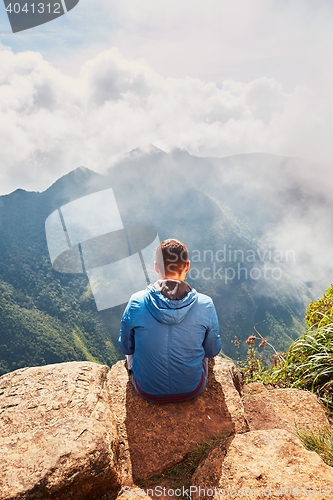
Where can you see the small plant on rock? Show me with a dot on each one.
(255, 368)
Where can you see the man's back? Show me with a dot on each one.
(170, 328)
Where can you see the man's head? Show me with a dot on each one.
(171, 260)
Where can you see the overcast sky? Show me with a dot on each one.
(215, 77)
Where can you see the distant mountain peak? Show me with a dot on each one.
(78, 174)
(150, 149)
(82, 172)
(82, 169)
(75, 184)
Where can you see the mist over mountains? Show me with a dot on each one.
(257, 227)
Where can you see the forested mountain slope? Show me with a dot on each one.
(228, 211)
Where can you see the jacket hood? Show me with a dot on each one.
(169, 301)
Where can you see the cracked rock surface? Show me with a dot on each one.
(154, 437)
(57, 434)
(79, 431)
(269, 408)
(263, 464)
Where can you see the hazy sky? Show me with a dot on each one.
(216, 78)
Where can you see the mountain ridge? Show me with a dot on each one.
(209, 204)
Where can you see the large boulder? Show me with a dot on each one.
(79, 431)
(289, 409)
(263, 464)
(154, 437)
(57, 435)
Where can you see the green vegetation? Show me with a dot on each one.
(320, 312)
(79, 343)
(321, 442)
(307, 364)
(258, 366)
(40, 308)
(45, 316)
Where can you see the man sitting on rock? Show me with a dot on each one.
(168, 331)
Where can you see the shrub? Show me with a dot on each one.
(309, 363)
(320, 312)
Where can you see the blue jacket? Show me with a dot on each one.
(169, 337)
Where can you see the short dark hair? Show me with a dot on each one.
(171, 257)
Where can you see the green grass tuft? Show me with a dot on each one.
(321, 442)
(309, 364)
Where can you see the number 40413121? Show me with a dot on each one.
(40, 8)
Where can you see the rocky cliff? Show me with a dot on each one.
(78, 431)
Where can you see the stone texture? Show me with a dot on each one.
(155, 437)
(263, 463)
(269, 408)
(57, 434)
(79, 431)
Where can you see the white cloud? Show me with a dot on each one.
(213, 40)
(51, 123)
(216, 40)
